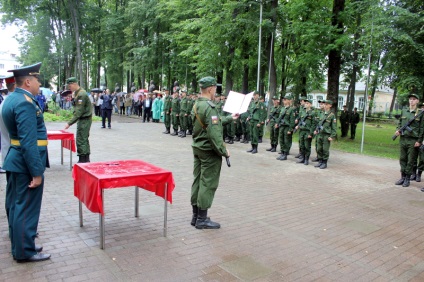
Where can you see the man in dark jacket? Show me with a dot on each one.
(147, 107)
(106, 108)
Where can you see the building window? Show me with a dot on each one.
(341, 102)
(310, 97)
(1, 66)
(16, 67)
(361, 104)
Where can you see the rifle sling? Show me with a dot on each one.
(198, 119)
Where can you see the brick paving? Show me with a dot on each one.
(281, 221)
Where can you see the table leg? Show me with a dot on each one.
(102, 225)
(80, 214)
(136, 201)
(61, 152)
(70, 156)
(165, 216)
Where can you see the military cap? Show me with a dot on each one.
(256, 92)
(275, 98)
(208, 81)
(308, 100)
(10, 79)
(288, 97)
(413, 95)
(328, 102)
(32, 70)
(71, 80)
(184, 90)
(321, 101)
(303, 98)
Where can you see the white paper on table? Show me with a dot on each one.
(237, 103)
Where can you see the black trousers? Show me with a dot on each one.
(146, 114)
(106, 113)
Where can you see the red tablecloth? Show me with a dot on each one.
(67, 138)
(90, 178)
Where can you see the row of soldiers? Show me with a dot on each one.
(283, 120)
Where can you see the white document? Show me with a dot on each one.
(237, 103)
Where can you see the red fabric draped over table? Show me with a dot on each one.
(90, 178)
(68, 139)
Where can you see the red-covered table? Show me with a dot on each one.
(67, 140)
(91, 179)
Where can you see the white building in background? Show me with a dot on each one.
(8, 61)
(382, 99)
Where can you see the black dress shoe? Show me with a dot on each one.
(35, 258)
(38, 248)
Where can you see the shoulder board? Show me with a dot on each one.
(211, 104)
(28, 98)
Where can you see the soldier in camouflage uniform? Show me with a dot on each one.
(306, 127)
(326, 131)
(410, 141)
(299, 112)
(256, 120)
(167, 111)
(82, 115)
(285, 123)
(262, 128)
(184, 113)
(175, 112)
(190, 104)
(273, 115)
(208, 150)
(318, 112)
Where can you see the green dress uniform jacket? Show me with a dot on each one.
(328, 128)
(273, 116)
(307, 125)
(257, 115)
(286, 124)
(82, 115)
(208, 149)
(183, 112)
(27, 158)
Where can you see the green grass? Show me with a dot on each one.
(57, 114)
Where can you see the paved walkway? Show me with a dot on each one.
(281, 221)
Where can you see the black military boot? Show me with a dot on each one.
(274, 148)
(204, 222)
(190, 132)
(301, 159)
(237, 139)
(260, 139)
(318, 164)
(269, 149)
(418, 177)
(251, 150)
(255, 149)
(231, 141)
(413, 175)
(175, 133)
(282, 157)
(298, 155)
(183, 134)
(87, 158)
(80, 158)
(194, 217)
(167, 131)
(315, 159)
(306, 161)
(406, 181)
(401, 180)
(323, 165)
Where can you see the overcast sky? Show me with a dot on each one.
(8, 43)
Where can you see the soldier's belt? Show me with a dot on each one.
(40, 143)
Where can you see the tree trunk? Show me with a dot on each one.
(373, 87)
(73, 6)
(334, 57)
(245, 82)
(392, 104)
(355, 69)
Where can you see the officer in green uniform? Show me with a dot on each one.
(409, 140)
(273, 115)
(285, 123)
(306, 127)
(167, 111)
(175, 112)
(208, 150)
(255, 119)
(230, 127)
(262, 128)
(82, 115)
(183, 113)
(25, 163)
(325, 131)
